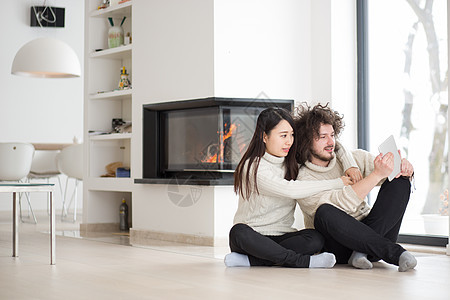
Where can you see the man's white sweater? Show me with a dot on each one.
(271, 212)
(345, 198)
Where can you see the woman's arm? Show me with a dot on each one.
(349, 163)
(272, 185)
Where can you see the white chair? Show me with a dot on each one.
(70, 163)
(15, 164)
(44, 167)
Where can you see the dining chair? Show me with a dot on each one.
(15, 164)
(70, 163)
(44, 167)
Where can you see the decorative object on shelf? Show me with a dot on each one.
(124, 82)
(116, 123)
(115, 34)
(121, 126)
(111, 169)
(104, 4)
(127, 39)
(46, 58)
(123, 172)
(114, 2)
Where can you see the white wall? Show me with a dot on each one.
(173, 59)
(261, 48)
(333, 55)
(32, 109)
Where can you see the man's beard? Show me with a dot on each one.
(323, 157)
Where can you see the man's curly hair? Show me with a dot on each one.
(307, 125)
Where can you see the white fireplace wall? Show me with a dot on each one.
(262, 49)
(173, 59)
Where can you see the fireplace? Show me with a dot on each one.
(199, 141)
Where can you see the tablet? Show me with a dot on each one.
(389, 146)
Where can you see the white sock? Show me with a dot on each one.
(406, 262)
(359, 260)
(235, 259)
(322, 260)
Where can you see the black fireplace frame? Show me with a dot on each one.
(151, 160)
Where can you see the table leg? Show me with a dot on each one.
(52, 231)
(15, 226)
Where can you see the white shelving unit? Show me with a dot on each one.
(103, 103)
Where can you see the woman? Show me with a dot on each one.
(265, 181)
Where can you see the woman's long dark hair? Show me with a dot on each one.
(267, 120)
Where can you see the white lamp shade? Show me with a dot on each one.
(46, 58)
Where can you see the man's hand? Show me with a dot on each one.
(384, 165)
(406, 168)
(346, 180)
(354, 173)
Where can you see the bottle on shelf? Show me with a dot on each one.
(123, 213)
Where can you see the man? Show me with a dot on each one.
(354, 232)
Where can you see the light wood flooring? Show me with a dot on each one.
(104, 266)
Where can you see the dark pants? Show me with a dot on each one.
(288, 250)
(376, 235)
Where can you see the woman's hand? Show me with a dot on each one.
(346, 180)
(354, 173)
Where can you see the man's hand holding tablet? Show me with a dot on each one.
(389, 146)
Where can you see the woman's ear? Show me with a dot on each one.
(264, 137)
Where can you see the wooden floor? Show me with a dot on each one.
(104, 266)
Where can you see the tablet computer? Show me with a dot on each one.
(389, 146)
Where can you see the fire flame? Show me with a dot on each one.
(211, 159)
(218, 157)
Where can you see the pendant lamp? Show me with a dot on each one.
(46, 58)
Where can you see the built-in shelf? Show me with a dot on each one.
(112, 136)
(117, 94)
(112, 184)
(103, 102)
(120, 10)
(121, 52)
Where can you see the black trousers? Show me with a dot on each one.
(288, 250)
(376, 235)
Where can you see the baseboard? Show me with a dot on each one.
(145, 237)
(99, 227)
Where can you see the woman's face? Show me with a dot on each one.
(280, 139)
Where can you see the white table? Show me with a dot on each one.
(15, 188)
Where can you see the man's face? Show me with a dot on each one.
(323, 146)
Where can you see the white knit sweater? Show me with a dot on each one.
(345, 198)
(271, 212)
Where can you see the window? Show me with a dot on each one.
(403, 90)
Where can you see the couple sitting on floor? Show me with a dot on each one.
(298, 161)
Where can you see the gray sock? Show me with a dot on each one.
(235, 259)
(359, 260)
(322, 260)
(406, 262)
